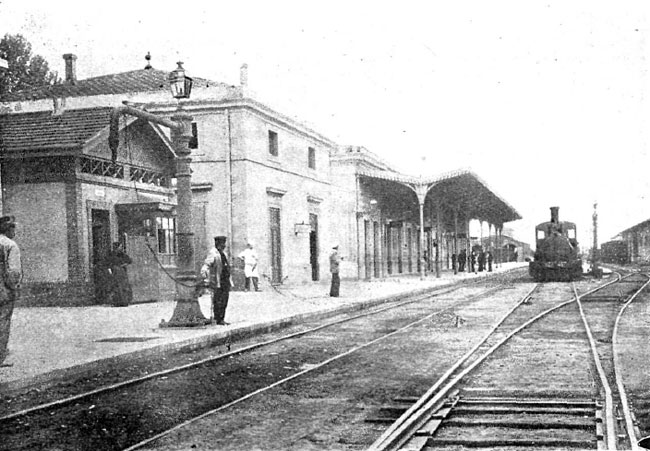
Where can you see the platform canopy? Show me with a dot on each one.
(461, 191)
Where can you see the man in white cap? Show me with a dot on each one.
(251, 272)
(335, 260)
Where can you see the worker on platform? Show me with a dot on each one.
(335, 261)
(462, 260)
(11, 275)
(481, 261)
(472, 261)
(120, 292)
(251, 270)
(216, 270)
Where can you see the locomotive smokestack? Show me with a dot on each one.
(554, 214)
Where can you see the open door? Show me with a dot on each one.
(313, 247)
(101, 239)
(276, 246)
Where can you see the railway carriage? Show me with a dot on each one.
(614, 252)
(556, 255)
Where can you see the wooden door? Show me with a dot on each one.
(101, 240)
(276, 245)
(144, 271)
(313, 247)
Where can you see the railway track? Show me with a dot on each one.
(477, 404)
(81, 411)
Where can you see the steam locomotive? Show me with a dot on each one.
(556, 255)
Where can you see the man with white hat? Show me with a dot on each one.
(251, 272)
(335, 260)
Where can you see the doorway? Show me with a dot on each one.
(366, 248)
(313, 247)
(388, 246)
(409, 248)
(101, 239)
(375, 249)
(276, 245)
(400, 252)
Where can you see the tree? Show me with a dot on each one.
(25, 70)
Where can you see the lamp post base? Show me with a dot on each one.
(187, 313)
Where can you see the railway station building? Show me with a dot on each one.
(257, 176)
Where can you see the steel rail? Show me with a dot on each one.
(418, 412)
(609, 400)
(629, 423)
(137, 380)
(294, 376)
(402, 429)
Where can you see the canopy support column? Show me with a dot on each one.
(438, 236)
(421, 191)
(455, 244)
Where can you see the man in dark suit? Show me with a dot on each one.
(216, 270)
(335, 261)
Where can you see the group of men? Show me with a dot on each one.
(216, 272)
(484, 260)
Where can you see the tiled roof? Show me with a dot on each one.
(142, 80)
(41, 131)
(637, 228)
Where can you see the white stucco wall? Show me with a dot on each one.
(41, 230)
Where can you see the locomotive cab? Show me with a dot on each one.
(556, 254)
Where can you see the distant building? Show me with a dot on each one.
(637, 240)
(615, 251)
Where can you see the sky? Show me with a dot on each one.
(546, 101)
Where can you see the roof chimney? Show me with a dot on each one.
(554, 214)
(243, 75)
(70, 68)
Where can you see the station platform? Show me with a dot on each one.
(50, 343)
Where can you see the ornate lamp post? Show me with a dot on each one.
(595, 270)
(179, 83)
(187, 312)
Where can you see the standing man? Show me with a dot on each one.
(250, 267)
(11, 274)
(121, 293)
(462, 260)
(472, 262)
(335, 260)
(216, 270)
